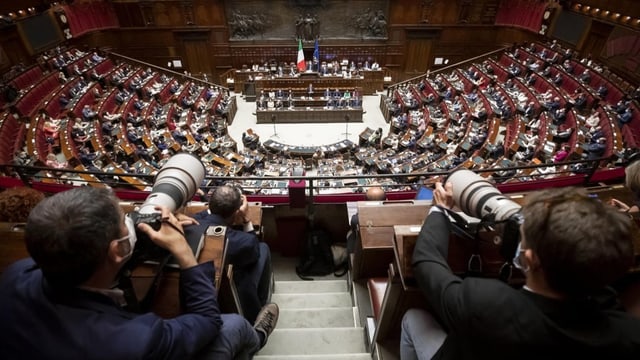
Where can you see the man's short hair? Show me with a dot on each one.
(68, 234)
(225, 200)
(583, 244)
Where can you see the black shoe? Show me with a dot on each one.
(266, 320)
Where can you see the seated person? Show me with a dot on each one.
(132, 135)
(625, 117)
(79, 135)
(558, 79)
(51, 127)
(559, 116)
(526, 154)
(562, 154)
(63, 100)
(317, 156)
(585, 77)
(530, 79)
(593, 120)
(70, 281)
(562, 133)
(88, 113)
(87, 156)
(597, 149)
(251, 258)
(180, 136)
(529, 110)
(553, 104)
(565, 305)
(107, 128)
(568, 66)
(602, 90)
(580, 101)
(52, 161)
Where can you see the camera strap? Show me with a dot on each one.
(470, 231)
(135, 304)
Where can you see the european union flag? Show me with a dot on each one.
(316, 56)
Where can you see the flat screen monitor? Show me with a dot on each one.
(40, 32)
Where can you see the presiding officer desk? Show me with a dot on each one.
(388, 232)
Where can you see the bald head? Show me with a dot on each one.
(376, 194)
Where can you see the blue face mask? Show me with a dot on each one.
(517, 258)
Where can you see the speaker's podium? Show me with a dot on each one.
(249, 91)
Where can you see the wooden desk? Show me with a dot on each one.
(373, 251)
(374, 248)
(307, 151)
(309, 115)
(370, 81)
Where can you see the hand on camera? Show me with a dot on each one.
(242, 214)
(186, 220)
(443, 195)
(170, 236)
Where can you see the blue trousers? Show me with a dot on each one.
(421, 335)
(237, 340)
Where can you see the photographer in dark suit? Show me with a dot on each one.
(79, 240)
(250, 257)
(571, 247)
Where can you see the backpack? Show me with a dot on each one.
(317, 258)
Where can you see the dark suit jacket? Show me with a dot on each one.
(39, 322)
(242, 249)
(487, 319)
(251, 264)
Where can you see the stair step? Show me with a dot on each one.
(359, 356)
(316, 318)
(306, 287)
(320, 300)
(315, 341)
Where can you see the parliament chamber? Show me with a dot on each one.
(528, 94)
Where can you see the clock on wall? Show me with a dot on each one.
(63, 18)
(547, 14)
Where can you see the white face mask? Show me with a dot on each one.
(131, 236)
(517, 258)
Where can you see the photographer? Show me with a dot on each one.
(250, 257)
(571, 247)
(62, 304)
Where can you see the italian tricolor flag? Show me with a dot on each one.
(302, 65)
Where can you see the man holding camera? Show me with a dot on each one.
(571, 247)
(250, 257)
(62, 303)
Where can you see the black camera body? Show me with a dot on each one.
(145, 249)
